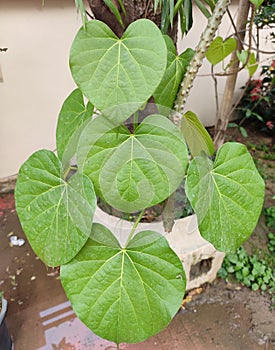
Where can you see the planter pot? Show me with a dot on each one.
(5, 339)
(201, 261)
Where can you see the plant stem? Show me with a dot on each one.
(134, 227)
(66, 171)
(196, 62)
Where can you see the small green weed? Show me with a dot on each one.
(250, 271)
(271, 243)
(269, 156)
(270, 217)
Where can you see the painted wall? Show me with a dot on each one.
(37, 78)
(36, 75)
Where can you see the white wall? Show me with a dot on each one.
(36, 75)
(37, 78)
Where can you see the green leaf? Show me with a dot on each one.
(243, 131)
(252, 64)
(56, 215)
(220, 49)
(242, 56)
(227, 196)
(81, 8)
(118, 75)
(188, 14)
(71, 120)
(156, 3)
(115, 11)
(257, 3)
(255, 286)
(167, 90)
(232, 125)
(125, 294)
(133, 171)
(183, 22)
(211, 4)
(172, 6)
(202, 8)
(196, 136)
(122, 6)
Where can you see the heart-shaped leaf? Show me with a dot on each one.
(227, 196)
(125, 294)
(220, 49)
(167, 90)
(132, 171)
(196, 136)
(118, 75)
(242, 56)
(56, 215)
(250, 64)
(71, 120)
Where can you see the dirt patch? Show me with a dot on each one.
(243, 309)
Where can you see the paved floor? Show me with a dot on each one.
(40, 317)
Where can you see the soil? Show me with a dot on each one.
(222, 315)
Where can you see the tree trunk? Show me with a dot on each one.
(135, 9)
(229, 89)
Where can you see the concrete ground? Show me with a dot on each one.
(220, 316)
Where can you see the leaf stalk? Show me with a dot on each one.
(134, 227)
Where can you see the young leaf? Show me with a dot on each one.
(133, 171)
(220, 49)
(118, 75)
(196, 136)
(227, 196)
(166, 92)
(71, 120)
(242, 56)
(56, 215)
(125, 294)
(252, 64)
